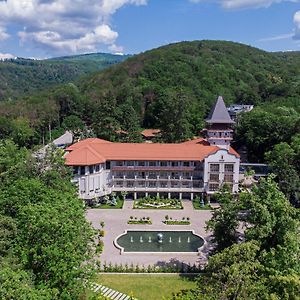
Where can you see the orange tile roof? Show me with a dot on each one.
(197, 141)
(87, 142)
(90, 152)
(150, 132)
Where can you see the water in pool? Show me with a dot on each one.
(160, 241)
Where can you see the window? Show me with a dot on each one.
(214, 177)
(130, 175)
(130, 184)
(130, 163)
(228, 167)
(163, 175)
(91, 169)
(175, 175)
(152, 184)
(82, 170)
(152, 175)
(214, 168)
(108, 165)
(213, 187)
(228, 178)
(119, 183)
(186, 163)
(163, 184)
(75, 170)
(119, 175)
(174, 184)
(140, 174)
(186, 175)
(97, 168)
(141, 163)
(119, 163)
(185, 184)
(175, 163)
(164, 163)
(141, 183)
(152, 163)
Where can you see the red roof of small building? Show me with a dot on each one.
(93, 151)
(150, 132)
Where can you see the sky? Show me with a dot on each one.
(49, 28)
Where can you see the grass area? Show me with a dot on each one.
(148, 287)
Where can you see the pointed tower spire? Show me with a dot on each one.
(219, 113)
(219, 132)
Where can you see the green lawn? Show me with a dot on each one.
(147, 287)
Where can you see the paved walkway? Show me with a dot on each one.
(116, 223)
(109, 293)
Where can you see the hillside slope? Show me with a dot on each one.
(199, 70)
(171, 88)
(24, 76)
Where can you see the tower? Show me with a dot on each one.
(219, 132)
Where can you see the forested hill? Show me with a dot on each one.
(195, 73)
(23, 76)
(172, 88)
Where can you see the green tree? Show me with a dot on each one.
(224, 222)
(282, 161)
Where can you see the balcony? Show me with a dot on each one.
(157, 168)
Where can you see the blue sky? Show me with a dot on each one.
(47, 28)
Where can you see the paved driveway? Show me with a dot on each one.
(116, 223)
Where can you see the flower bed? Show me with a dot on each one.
(143, 220)
(157, 203)
(169, 221)
(177, 222)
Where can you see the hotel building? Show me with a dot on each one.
(182, 170)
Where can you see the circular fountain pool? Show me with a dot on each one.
(159, 241)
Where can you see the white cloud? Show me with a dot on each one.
(63, 26)
(4, 56)
(297, 24)
(242, 4)
(116, 49)
(3, 34)
(277, 37)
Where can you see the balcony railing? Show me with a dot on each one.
(148, 168)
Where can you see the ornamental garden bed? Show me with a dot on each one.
(157, 203)
(201, 205)
(135, 220)
(169, 221)
(109, 202)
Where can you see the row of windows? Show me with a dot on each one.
(82, 169)
(153, 175)
(142, 163)
(216, 168)
(154, 184)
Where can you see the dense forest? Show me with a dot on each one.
(173, 88)
(23, 76)
(46, 244)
